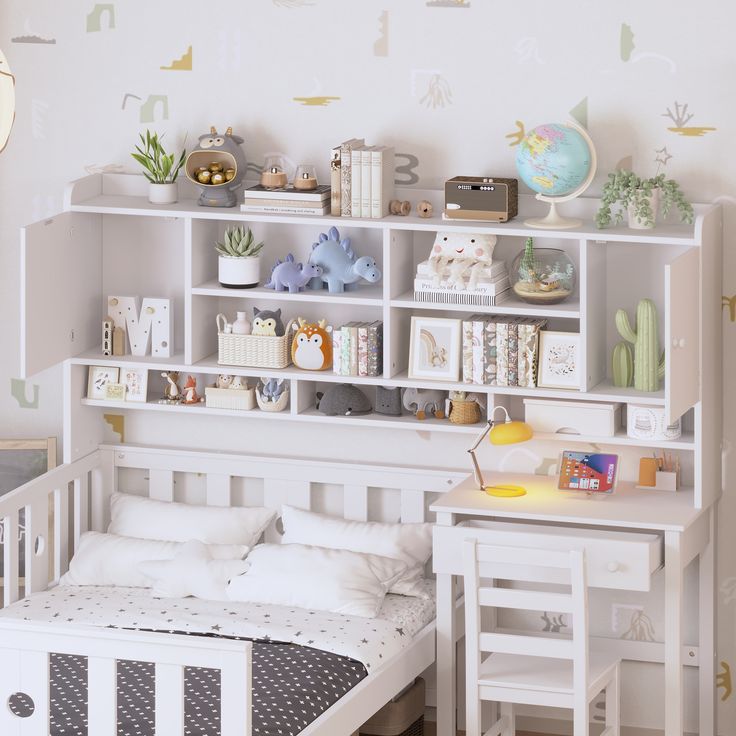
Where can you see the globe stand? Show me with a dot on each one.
(552, 220)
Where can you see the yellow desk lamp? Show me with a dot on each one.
(507, 433)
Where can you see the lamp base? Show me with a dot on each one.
(505, 491)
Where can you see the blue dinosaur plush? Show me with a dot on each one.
(338, 263)
(290, 275)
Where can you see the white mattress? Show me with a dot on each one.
(370, 641)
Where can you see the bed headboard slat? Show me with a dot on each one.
(218, 489)
(161, 484)
(413, 506)
(355, 502)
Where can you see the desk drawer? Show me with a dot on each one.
(619, 560)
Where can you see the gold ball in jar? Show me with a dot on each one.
(215, 166)
(202, 168)
(203, 177)
(217, 178)
(229, 174)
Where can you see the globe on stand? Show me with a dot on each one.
(557, 161)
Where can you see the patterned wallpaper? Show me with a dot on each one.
(453, 84)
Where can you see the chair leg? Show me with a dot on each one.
(613, 703)
(507, 712)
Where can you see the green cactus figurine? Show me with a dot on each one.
(623, 365)
(648, 364)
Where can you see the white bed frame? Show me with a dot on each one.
(73, 498)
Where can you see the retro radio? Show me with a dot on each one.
(481, 198)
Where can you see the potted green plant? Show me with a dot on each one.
(641, 199)
(239, 262)
(161, 168)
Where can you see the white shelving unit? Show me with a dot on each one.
(110, 240)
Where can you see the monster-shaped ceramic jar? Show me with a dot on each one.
(217, 167)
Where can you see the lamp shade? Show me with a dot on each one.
(510, 433)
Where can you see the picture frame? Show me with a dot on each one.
(115, 392)
(136, 384)
(434, 348)
(98, 378)
(559, 360)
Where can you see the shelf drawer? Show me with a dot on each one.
(619, 560)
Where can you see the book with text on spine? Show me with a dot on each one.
(346, 162)
(382, 180)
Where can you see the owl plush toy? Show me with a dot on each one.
(311, 348)
(266, 322)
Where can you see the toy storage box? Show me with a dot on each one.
(230, 398)
(401, 717)
(594, 419)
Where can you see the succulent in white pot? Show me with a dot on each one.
(239, 262)
(161, 168)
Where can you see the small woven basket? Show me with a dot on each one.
(257, 351)
(464, 411)
(279, 405)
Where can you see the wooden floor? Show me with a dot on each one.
(430, 730)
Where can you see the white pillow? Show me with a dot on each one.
(411, 543)
(147, 518)
(107, 559)
(316, 578)
(192, 572)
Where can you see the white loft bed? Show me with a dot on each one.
(74, 498)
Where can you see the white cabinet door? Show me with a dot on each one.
(61, 284)
(682, 334)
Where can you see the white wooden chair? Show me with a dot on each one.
(532, 669)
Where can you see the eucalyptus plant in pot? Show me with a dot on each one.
(641, 199)
(161, 168)
(239, 262)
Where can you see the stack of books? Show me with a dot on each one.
(492, 287)
(357, 349)
(287, 201)
(501, 351)
(362, 179)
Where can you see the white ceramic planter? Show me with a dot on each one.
(162, 193)
(239, 273)
(635, 223)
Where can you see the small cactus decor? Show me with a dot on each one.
(623, 365)
(648, 363)
(238, 243)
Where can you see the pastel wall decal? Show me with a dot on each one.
(518, 135)
(148, 108)
(132, 96)
(626, 42)
(117, 424)
(553, 623)
(625, 164)
(663, 156)
(380, 47)
(105, 169)
(317, 100)
(724, 680)
(18, 392)
(527, 49)
(580, 112)
(728, 586)
(640, 628)
(407, 174)
(39, 108)
(447, 4)
(438, 93)
(182, 64)
(730, 303)
(33, 38)
(681, 117)
(94, 19)
(7, 100)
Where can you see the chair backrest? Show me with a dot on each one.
(484, 565)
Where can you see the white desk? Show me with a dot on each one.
(687, 533)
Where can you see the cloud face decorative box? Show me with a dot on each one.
(645, 422)
(588, 418)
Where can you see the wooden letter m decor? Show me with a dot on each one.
(152, 322)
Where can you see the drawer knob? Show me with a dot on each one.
(613, 566)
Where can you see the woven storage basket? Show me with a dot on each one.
(401, 717)
(257, 351)
(464, 411)
(230, 398)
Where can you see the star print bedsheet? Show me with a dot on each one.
(303, 661)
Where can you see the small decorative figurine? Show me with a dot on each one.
(266, 322)
(217, 167)
(343, 399)
(648, 362)
(272, 394)
(107, 327)
(190, 392)
(239, 383)
(305, 178)
(388, 400)
(457, 256)
(274, 173)
(291, 275)
(338, 263)
(224, 380)
(542, 275)
(399, 207)
(424, 402)
(312, 345)
(172, 392)
(424, 208)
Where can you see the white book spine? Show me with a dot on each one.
(387, 171)
(366, 173)
(278, 210)
(376, 184)
(356, 180)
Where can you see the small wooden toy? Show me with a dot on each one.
(424, 208)
(399, 207)
(190, 395)
(172, 392)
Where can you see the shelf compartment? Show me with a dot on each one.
(513, 306)
(371, 296)
(685, 443)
